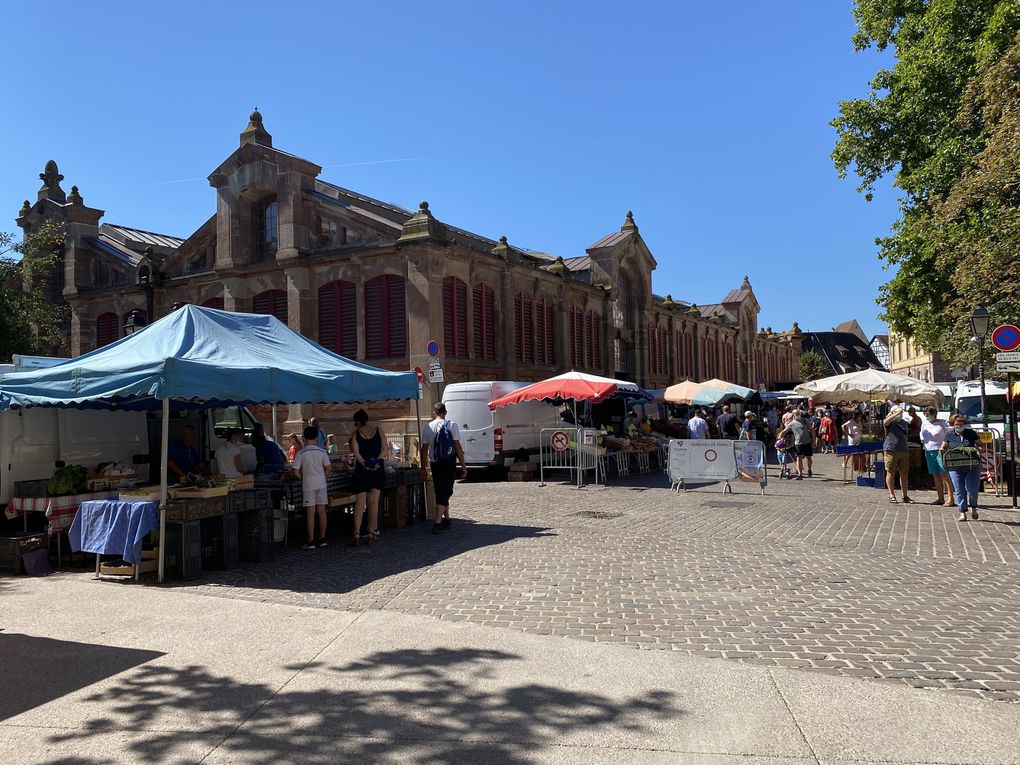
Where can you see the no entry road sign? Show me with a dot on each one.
(1006, 337)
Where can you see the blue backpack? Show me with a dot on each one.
(443, 448)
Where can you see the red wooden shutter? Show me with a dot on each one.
(375, 317)
(540, 330)
(338, 318)
(271, 303)
(485, 322)
(214, 302)
(550, 334)
(107, 329)
(589, 339)
(598, 341)
(462, 330)
(528, 330)
(518, 320)
(449, 319)
(396, 317)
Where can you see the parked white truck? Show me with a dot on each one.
(494, 438)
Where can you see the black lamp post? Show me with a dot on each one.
(979, 323)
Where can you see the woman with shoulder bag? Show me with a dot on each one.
(961, 458)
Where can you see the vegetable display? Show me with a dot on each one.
(70, 479)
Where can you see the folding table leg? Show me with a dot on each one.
(97, 565)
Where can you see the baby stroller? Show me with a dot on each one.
(785, 456)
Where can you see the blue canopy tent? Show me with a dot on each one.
(203, 357)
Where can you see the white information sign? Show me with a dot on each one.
(1007, 366)
(435, 375)
(702, 459)
(435, 362)
(1007, 356)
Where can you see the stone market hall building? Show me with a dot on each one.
(375, 282)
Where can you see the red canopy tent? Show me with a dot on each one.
(572, 386)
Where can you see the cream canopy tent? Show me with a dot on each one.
(871, 384)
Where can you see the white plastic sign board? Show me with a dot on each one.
(1008, 356)
(588, 438)
(435, 375)
(435, 363)
(702, 459)
(1007, 366)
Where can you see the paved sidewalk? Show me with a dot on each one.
(135, 674)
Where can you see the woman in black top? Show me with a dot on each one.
(369, 474)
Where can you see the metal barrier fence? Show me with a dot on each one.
(570, 449)
(992, 450)
(716, 461)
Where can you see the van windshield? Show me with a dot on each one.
(971, 406)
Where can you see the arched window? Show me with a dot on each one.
(338, 318)
(545, 334)
(213, 302)
(271, 303)
(455, 332)
(524, 330)
(485, 322)
(107, 329)
(385, 317)
(264, 229)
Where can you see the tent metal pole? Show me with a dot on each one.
(276, 435)
(165, 441)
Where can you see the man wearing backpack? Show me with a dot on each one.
(440, 448)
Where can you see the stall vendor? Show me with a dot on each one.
(183, 457)
(228, 456)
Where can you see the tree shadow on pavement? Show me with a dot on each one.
(342, 568)
(37, 670)
(410, 705)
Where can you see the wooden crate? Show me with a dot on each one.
(194, 492)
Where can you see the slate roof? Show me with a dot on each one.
(736, 296)
(844, 351)
(142, 237)
(114, 248)
(609, 240)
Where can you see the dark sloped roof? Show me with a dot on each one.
(353, 208)
(609, 240)
(143, 237)
(736, 296)
(844, 351)
(114, 248)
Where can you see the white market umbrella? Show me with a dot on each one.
(868, 385)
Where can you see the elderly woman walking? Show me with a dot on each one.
(959, 452)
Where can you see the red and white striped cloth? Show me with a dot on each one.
(60, 510)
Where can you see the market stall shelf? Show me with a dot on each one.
(113, 527)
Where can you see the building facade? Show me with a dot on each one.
(375, 282)
(906, 358)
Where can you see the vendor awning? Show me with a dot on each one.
(572, 386)
(206, 357)
(871, 384)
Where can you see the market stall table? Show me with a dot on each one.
(865, 450)
(59, 510)
(114, 527)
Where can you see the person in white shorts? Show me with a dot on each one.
(311, 465)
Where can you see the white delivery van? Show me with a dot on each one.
(496, 438)
(968, 401)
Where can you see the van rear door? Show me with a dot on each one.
(468, 406)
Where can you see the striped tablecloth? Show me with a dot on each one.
(59, 510)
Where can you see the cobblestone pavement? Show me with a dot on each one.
(815, 574)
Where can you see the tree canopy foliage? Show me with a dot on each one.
(945, 122)
(813, 366)
(29, 322)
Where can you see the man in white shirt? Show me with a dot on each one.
(228, 456)
(311, 465)
(697, 426)
(440, 448)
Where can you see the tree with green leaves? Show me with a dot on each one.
(813, 366)
(944, 121)
(30, 321)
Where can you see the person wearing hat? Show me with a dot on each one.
(441, 449)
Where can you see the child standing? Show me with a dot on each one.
(311, 465)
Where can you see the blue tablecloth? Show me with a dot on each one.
(113, 527)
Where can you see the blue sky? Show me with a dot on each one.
(544, 121)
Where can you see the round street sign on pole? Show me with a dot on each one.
(419, 374)
(559, 440)
(1006, 337)
(432, 349)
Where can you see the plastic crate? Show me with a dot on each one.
(255, 535)
(247, 499)
(13, 547)
(29, 489)
(195, 509)
(866, 481)
(219, 542)
(879, 474)
(183, 550)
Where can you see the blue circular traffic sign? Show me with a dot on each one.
(1006, 337)
(432, 349)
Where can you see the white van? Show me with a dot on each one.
(968, 401)
(496, 438)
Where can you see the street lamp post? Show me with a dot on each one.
(979, 323)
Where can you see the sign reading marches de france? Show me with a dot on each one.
(702, 459)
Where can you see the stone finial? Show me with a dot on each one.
(629, 224)
(505, 251)
(746, 285)
(51, 179)
(559, 267)
(256, 132)
(26, 208)
(421, 227)
(768, 331)
(694, 310)
(668, 303)
(74, 197)
(795, 330)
